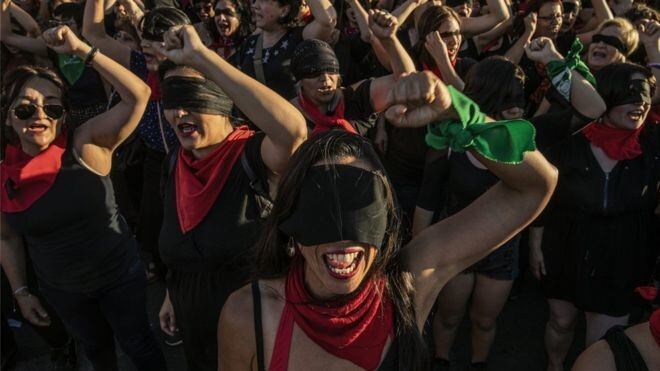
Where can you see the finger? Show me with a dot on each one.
(395, 114)
(36, 319)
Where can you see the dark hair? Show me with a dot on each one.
(159, 20)
(430, 21)
(490, 83)
(533, 6)
(641, 11)
(616, 76)
(125, 24)
(273, 262)
(70, 10)
(291, 17)
(244, 22)
(13, 82)
(341, 6)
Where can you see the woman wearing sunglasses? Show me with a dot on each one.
(57, 197)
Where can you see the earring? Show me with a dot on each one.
(291, 247)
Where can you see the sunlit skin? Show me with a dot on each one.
(628, 116)
(197, 132)
(267, 13)
(126, 39)
(36, 133)
(150, 54)
(600, 54)
(569, 18)
(549, 20)
(226, 18)
(321, 89)
(453, 42)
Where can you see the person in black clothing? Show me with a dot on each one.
(593, 245)
(220, 180)
(56, 193)
(322, 99)
(331, 246)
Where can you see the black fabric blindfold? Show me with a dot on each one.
(339, 203)
(611, 41)
(638, 91)
(196, 95)
(312, 58)
(516, 98)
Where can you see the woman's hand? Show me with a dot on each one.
(383, 25)
(530, 23)
(182, 45)
(436, 46)
(32, 310)
(64, 41)
(649, 34)
(166, 316)
(417, 100)
(537, 263)
(542, 50)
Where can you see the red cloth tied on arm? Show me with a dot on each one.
(355, 329)
(198, 182)
(25, 178)
(618, 144)
(323, 123)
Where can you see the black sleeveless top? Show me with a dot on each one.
(224, 239)
(77, 240)
(390, 362)
(626, 355)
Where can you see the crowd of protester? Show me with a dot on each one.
(329, 184)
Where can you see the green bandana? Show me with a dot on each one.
(560, 71)
(501, 141)
(71, 66)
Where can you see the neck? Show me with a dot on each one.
(33, 149)
(201, 153)
(271, 36)
(606, 121)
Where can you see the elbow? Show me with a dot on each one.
(144, 93)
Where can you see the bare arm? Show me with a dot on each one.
(472, 26)
(325, 19)
(516, 52)
(438, 50)
(283, 124)
(7, 36)
(498, 31)
(25, 20)
(94, 31)
(446, 248)
(362, 19)
(403, 11)
(602, 13)
(237, 353)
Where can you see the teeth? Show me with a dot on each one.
(346, 270)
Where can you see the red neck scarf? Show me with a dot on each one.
(198, 183)
(356, 329)
(618, 144)
(25, 178)
(654, 324)
(323, 123)
(436, 70)
(154, 84)
(224, 45)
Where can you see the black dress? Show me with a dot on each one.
(214, 259)
(599, 227)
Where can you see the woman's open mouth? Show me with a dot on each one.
(37, 128)
(343, 264)
(187, 129)
(635, 115)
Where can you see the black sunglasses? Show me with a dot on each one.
(25, 111)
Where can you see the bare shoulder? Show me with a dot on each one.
(597, 357)
(236, 340)
(643, 338)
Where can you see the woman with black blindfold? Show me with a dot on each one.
(336, 286)
(58, 198)
(220, 181)
(594, 244)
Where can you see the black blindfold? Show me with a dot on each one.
(637, 91)
(611, 41)
(312, 58)
(196, 95)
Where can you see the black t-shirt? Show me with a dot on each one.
(276, 61)
(77, 240)
(87, 91)
(224, 239)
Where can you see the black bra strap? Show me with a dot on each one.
(258, 328)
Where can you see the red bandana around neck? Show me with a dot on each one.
(654, 324)
(356, 329)
(323, 123)
(154, 83)
(25, 178)
(436, 70)
(618, 144)
(198, 182)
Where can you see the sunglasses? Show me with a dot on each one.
(25, 111)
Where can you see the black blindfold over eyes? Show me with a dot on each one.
(637, 91)
(312, 58)
(339, 203)
(196, 95)
(611, 41)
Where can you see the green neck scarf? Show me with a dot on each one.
(560, 71)
(500, 141)
(71, 66)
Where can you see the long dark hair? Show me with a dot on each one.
(273, 262)
(616, 76)
(490, 83)
(244, 15)
(13, 83)
(430, 21)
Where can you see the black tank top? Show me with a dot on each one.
(77, 240)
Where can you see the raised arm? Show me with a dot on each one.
(446, 248)
(473, 26)
(97, 138)
(94, 31)
(325, 19)
(25, 20)
(403, 11)
(362, 19)
(649, 35)
(283, 124)
(28, 44)
(602, 13)
(516, 52)
(583, 96)
(438, 50)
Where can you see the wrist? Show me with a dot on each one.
(551, 58)
(21, 292)
(82, 50)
